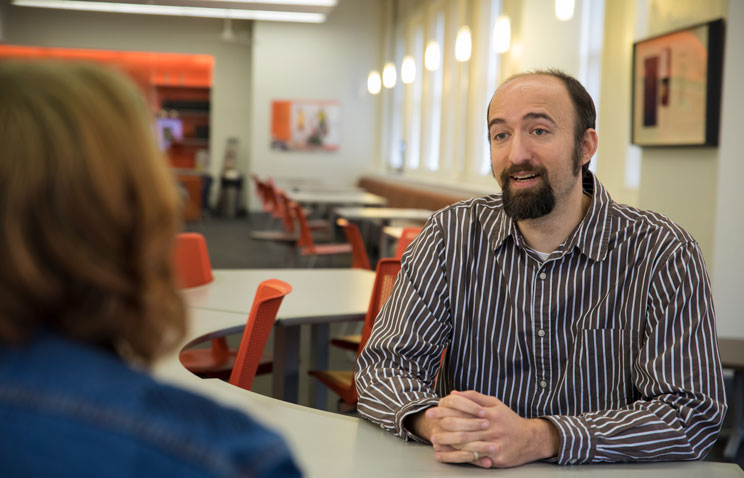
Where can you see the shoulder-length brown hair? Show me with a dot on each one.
(88, 212)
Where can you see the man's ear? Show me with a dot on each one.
(589, 144)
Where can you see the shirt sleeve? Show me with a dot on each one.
(678, 374)
(396, 371)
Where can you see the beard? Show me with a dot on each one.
(529, 204)
(536, 202)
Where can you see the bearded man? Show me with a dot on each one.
(547, 322)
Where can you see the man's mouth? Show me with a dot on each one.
(520, 178)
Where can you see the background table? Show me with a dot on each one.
(319, 297)
(383, 214)
(330, 198)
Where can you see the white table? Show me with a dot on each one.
(383, 214)
(319, 297)
(330, 445)
(323, 198)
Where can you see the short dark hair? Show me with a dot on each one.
(585, 113)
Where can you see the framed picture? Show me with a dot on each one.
(305, 125)
(677, 87)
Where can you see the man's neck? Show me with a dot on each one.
(546, 233)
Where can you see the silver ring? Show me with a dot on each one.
(475, 456)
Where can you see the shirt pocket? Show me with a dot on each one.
(604, 364)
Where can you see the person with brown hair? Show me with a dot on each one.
(88, 215)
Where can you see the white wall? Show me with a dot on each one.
(728, 258)
(230, 114)
(328, 61)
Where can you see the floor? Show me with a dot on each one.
(231, 247)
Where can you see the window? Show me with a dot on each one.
(434, 118)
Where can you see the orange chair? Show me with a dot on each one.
(248, 359)
(359, 258)
(192, 268)
(306, 244)
(342, 381)
(191, 260)
(406, 238)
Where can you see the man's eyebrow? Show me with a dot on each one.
(496, 121)
(531, 115)
(539, 116)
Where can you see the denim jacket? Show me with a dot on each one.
(69, 409)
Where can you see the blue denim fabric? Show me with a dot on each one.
(67, 409)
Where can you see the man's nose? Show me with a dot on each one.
(519, 150)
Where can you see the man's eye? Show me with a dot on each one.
(500, 136)
(540, 132)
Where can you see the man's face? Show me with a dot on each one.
(533, 154)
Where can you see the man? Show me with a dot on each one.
(576, 329)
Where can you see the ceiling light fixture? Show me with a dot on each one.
(432, 56)
(389, 75)
(408, 70)
(564, 9)
(374, 83)
(149, 9)
(502, 34)
(463, 44)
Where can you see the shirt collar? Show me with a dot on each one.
(591, 237)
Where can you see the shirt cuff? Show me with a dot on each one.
(410, 409)
(578, 444)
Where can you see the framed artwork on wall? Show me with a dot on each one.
(305, 125)
(676, 98)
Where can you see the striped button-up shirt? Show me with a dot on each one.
(612, 338)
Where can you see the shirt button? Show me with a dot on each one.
(572, 461)
(541, 333)
(543, 384)
(543, 275)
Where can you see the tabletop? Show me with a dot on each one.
(383, 213)
(325, 197)
(325, 295)
(333, 445)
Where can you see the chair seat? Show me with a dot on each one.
(207, 364)
(339, 381)
(348, 342)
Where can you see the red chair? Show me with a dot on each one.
(342, 381)
(192, 268)
(359, 258)
(190, 260)
(306, 244)
(248, 359)
(406, 238)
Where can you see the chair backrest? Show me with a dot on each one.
(282, 204)
(269, 296)
(190, 260)
(387, 271)
(406, 238)
(272, 199)
(359, 258)
(305, 240)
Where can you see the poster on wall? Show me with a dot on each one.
(305, 125)
(677, 87)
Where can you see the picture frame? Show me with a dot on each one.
(676, 91)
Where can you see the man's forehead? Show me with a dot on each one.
(541, 92)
